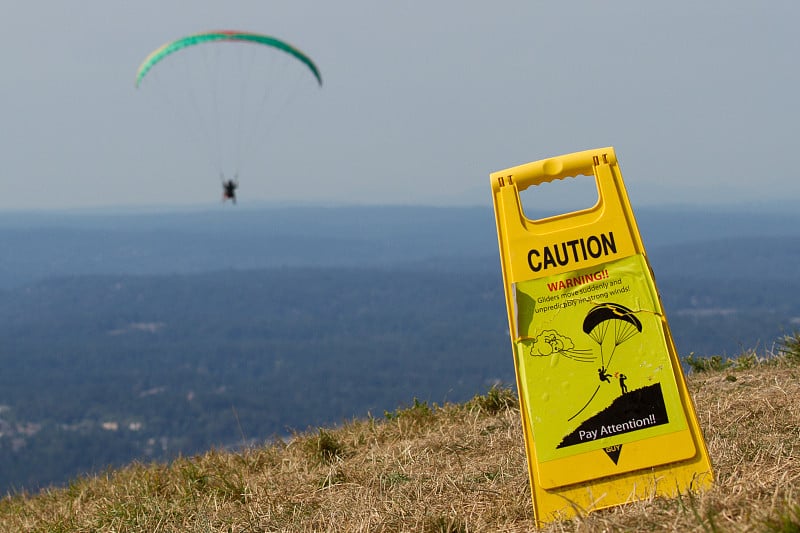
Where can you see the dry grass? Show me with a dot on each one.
(454, 468)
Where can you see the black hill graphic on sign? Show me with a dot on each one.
(635, 410)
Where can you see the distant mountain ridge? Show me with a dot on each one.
(42, 245)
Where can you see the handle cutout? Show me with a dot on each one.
(559, 197)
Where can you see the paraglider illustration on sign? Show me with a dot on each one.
(623, 325)
(598, 352)
(226, 92)
(608, 325)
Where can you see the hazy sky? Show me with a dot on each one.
(420, 102)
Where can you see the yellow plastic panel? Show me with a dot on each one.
(606, 414)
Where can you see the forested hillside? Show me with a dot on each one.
(169, 355)
(180, 363)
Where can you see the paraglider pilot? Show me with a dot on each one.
(229, 188)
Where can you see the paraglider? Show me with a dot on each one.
(229, 189)
(614, 317)
(596, 323)
(609, 325)
(226, 90)
(223, 35)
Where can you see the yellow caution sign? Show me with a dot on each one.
(606, 413)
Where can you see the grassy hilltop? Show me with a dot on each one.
(451, 468)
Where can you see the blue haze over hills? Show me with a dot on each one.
(47, 244)
(701, 258)
(148, 334)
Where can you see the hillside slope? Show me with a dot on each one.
(451, 468)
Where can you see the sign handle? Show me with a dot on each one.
(555, 168)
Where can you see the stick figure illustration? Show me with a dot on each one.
(623, 387)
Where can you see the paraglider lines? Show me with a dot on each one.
(597, 324)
